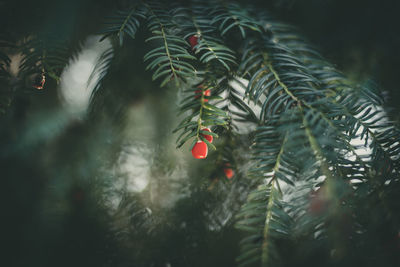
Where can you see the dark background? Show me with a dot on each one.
(361, 37)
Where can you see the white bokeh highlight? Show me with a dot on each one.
(74, 88)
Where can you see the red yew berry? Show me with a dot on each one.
(39, 81)
(209, 138)
(229, 173)
(193, 41)
(200, 150)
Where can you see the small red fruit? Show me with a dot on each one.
(39, 81)
(200, 150)
(193, 41)
(229, 173)
(209, 138)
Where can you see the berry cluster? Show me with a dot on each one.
(193, 41)
(200, 149)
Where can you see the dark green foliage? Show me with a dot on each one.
(101, 69)
(124, 22)
(45, 53)
(210, 47)
(234, 103)
(264, 217)
(202, 113)
(229, 16)
(171, 60)
(5, 90)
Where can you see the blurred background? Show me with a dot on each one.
(110, 189)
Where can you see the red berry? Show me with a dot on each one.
(39, 81)
(229, 173)
(193, 40)
(209, 138)
(200, 150)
